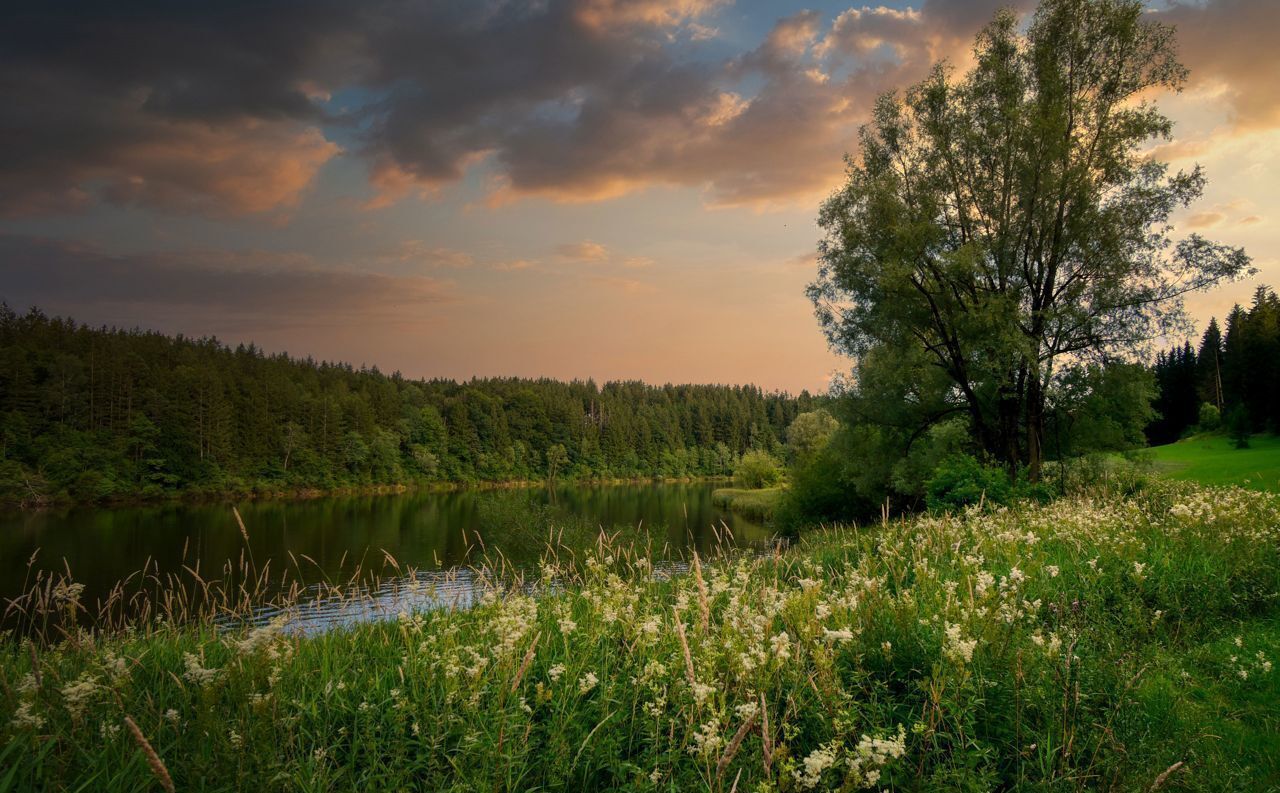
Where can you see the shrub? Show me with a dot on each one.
(757, 469)
(960, 480)
(1210, 417)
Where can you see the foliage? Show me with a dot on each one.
(1210, 417)
(809, 433)
(97, 414)
(757, 469)
(1238, 426)
(962, 480)
(1100, 637)
(1240, 370)
(1005, 227)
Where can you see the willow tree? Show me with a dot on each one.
(1010, 223)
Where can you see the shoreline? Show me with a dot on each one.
(310, 493)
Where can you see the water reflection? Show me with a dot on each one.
(336, 539)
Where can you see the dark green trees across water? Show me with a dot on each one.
(101, 414)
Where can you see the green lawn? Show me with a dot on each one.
(1213, 460)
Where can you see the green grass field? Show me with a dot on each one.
(1213, 460)
(752, 504)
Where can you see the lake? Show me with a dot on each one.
(326, 539)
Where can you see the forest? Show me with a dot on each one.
(102, 414)
(1231, 379)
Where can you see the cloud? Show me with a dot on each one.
(182, 107)
(235, 109)
(424, 254)
(243, 290)
(513, 265)
(1202, 220)
(1229, 46)
(1249, 221)
(585, 251)
(808, 259)
(629, 286)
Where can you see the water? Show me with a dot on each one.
(327, 539)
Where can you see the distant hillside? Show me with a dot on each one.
(100, 414)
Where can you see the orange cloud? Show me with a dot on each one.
(585, 251)
(1202, 220)
(608, 14)
(243, 169)
(1229, 46)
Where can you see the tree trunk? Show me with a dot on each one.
(1035, 427)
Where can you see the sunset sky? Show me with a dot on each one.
(572, 189)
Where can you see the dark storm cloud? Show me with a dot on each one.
(255, 289)
(187, 106)
(222, 108)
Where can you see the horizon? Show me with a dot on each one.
(579, 190)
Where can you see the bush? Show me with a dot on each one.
(757, 469)
(961, 480)
(1210, 417)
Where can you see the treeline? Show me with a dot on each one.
(1232, 378)
(94, 414)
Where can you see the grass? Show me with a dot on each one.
(1098, 642)
(1214, 460)
(758, 504)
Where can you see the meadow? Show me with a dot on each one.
(1214, 460)
(1119, 639)
(755, 503)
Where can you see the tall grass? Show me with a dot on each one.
(1097, 642)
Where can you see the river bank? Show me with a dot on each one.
(303, 493)
(931, 653)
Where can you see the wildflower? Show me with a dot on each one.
(237, 741)
(839, 636)
(818, 761)
(957, 648)
(567, 625)
(1052, 570)
(555, 672)
(196, 671)
(747, 710)
(872, 754)
(172, 716)
(702, 692)
(781, 646)
(78, 693)
(707, 740)
(1239, 641)
(587, 682)
(25, 718)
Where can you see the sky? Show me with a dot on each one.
(607, 189)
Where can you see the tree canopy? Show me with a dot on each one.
(99, 414)
(1004, 229)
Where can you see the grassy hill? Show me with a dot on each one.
(1213, 460)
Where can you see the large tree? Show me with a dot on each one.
(1010, 225)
